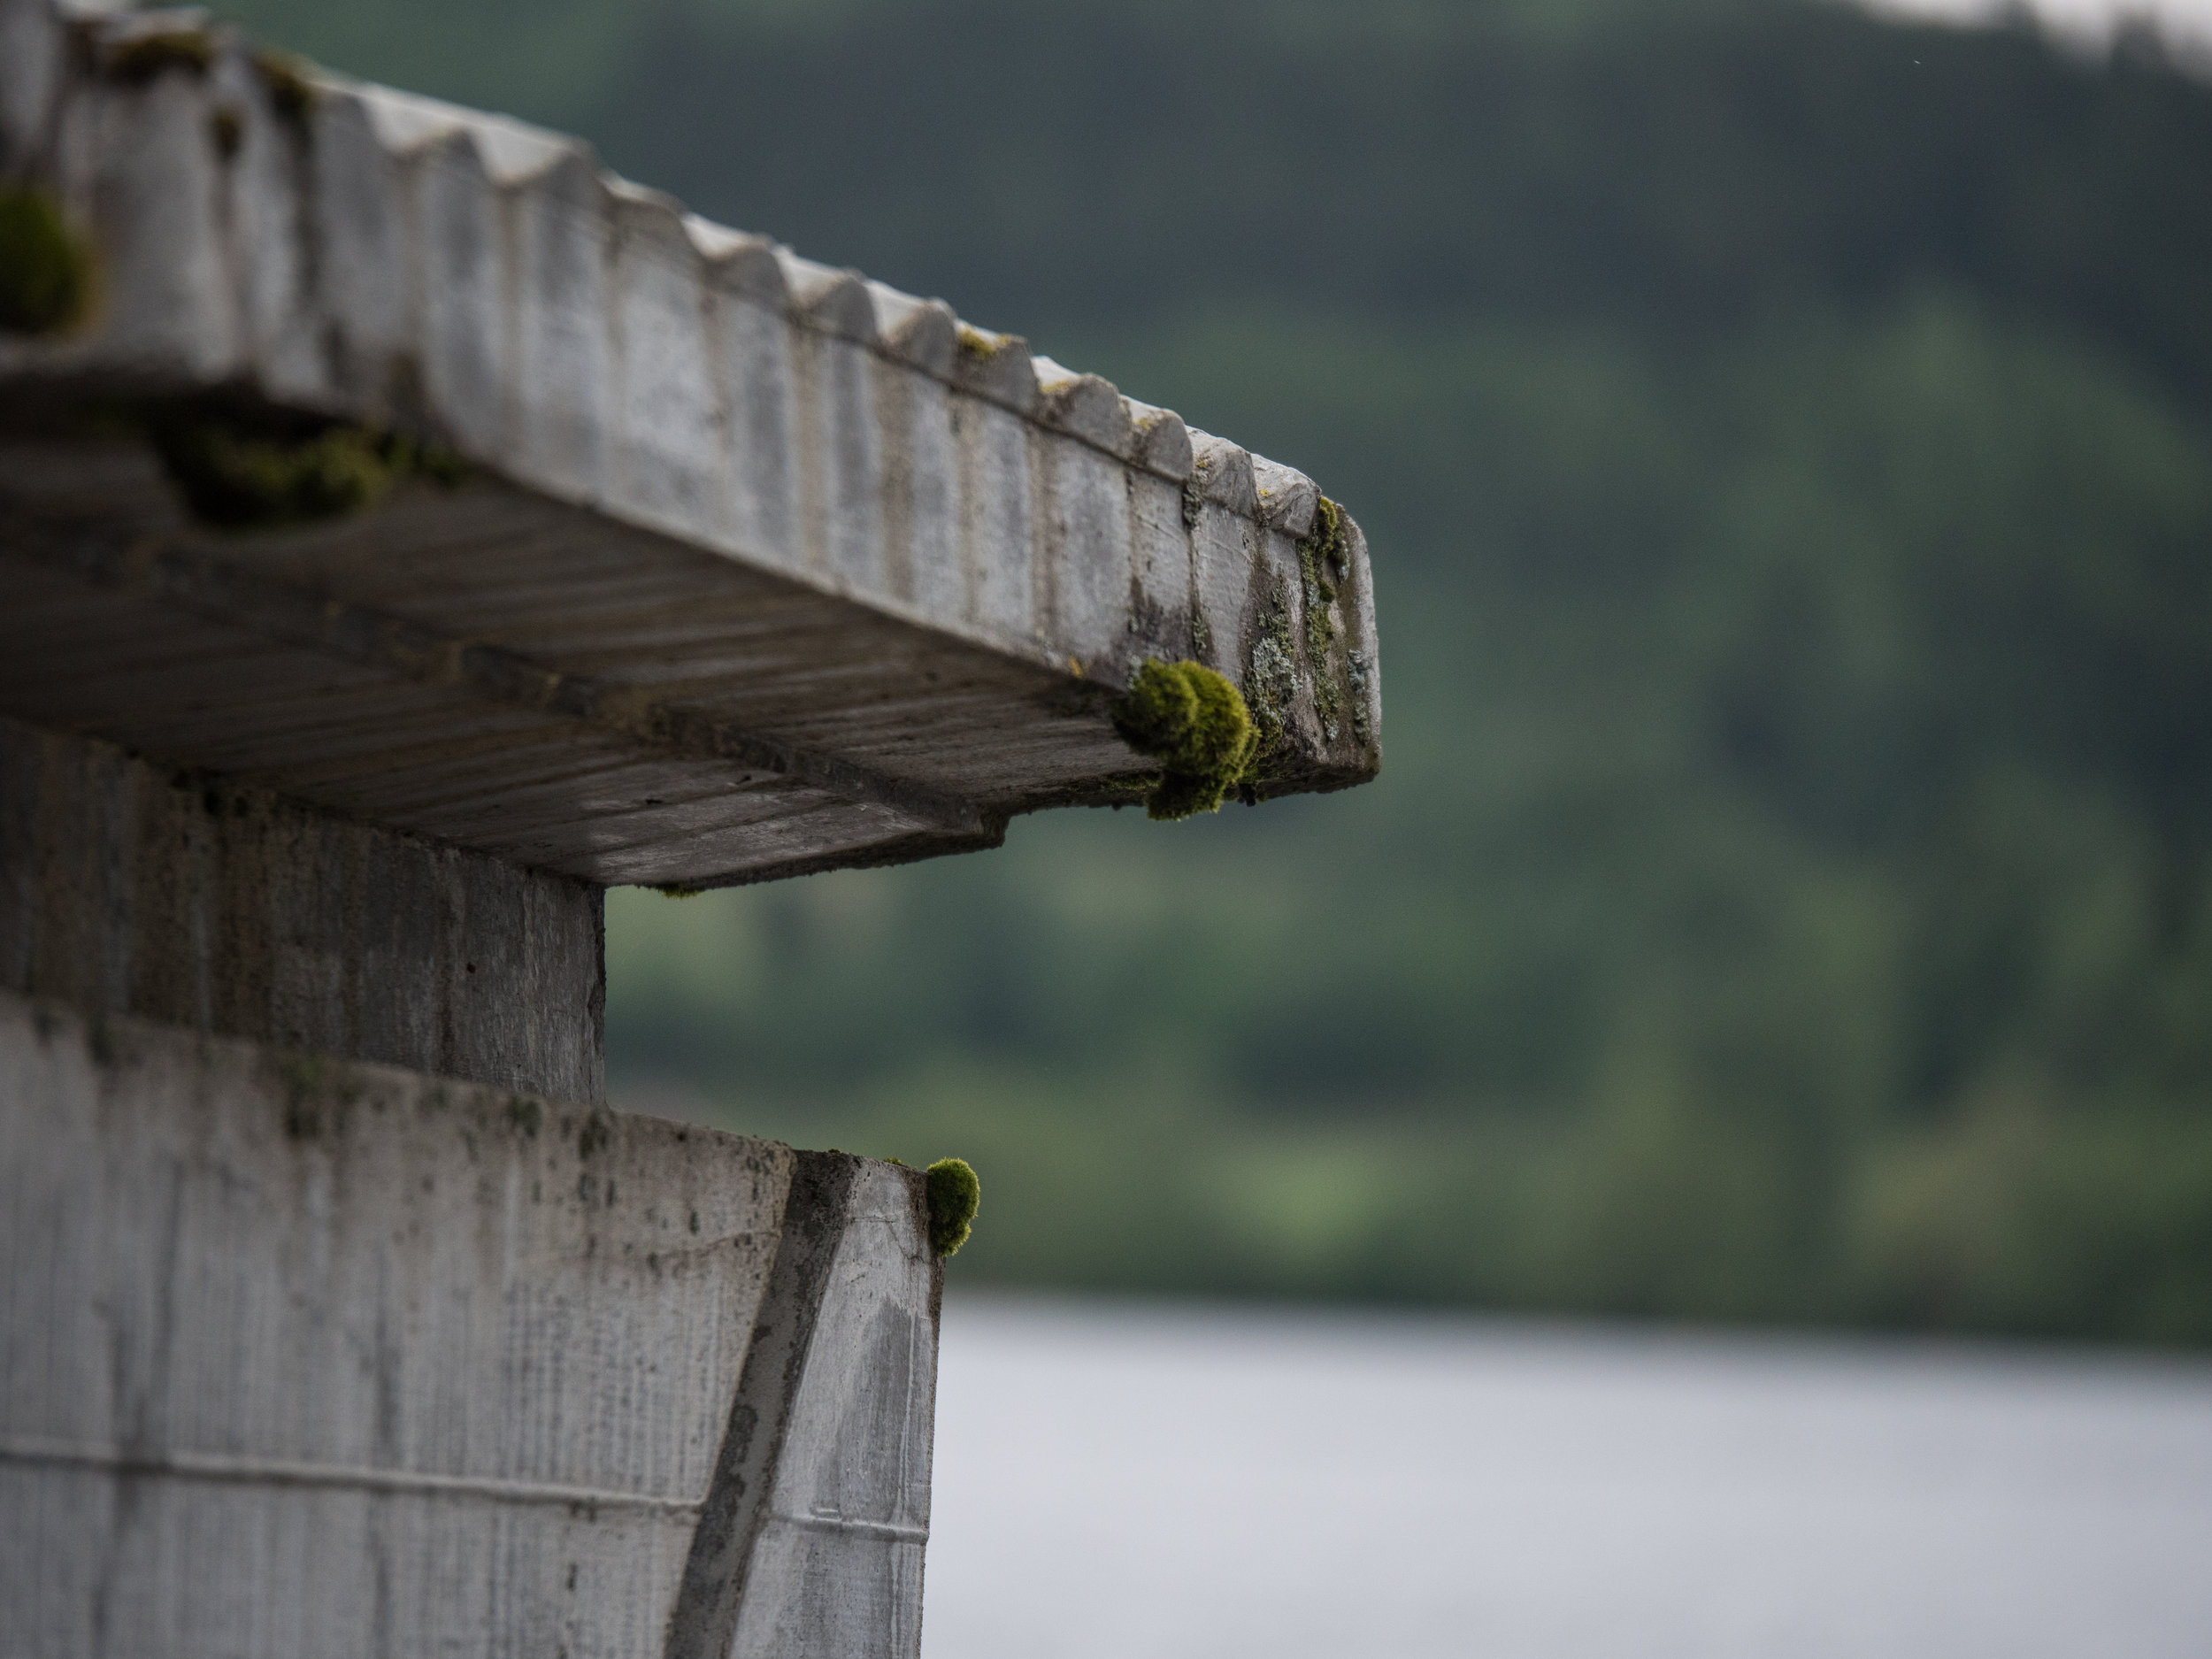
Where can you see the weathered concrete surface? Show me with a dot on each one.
(763, 567)
(698, 563)
(127, 888)
(299, 1358)
(837, 1565)
(811, 1538)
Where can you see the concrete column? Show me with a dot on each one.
(303, 1354)
(131, 889)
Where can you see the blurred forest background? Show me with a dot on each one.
(1785, 439)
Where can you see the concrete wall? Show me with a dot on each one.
(130, 888)
(300, 1357)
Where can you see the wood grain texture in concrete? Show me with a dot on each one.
(299, 1357)
(186, 897)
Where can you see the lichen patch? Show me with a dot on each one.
(1322, 558)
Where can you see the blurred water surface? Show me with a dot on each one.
(1116, 1479)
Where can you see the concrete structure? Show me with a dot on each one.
(407, 531)
(312, 1357)
(760, 567)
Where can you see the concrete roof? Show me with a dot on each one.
(754, 567)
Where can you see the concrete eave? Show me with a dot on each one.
(755, 567)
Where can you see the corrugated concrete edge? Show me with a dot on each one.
(377, 257)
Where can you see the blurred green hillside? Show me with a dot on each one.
(1786, 444)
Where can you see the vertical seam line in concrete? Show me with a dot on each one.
(704, 1620)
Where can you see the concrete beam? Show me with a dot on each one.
(755, 567)
(305, 1357)
(182, 896)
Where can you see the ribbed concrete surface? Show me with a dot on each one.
(127, 888)
(299, 1358)
(766, 568)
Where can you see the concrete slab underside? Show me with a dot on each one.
(303, 1356)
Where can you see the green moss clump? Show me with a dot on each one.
(46, 272)
(1155, 716)
(955, 1195)
(1327, 539)
(1194, 722)
(236, 481)
(238, 477)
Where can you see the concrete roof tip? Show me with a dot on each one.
(502, 500)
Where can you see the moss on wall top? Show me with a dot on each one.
(955, 1195)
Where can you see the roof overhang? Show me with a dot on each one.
(727, 565)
